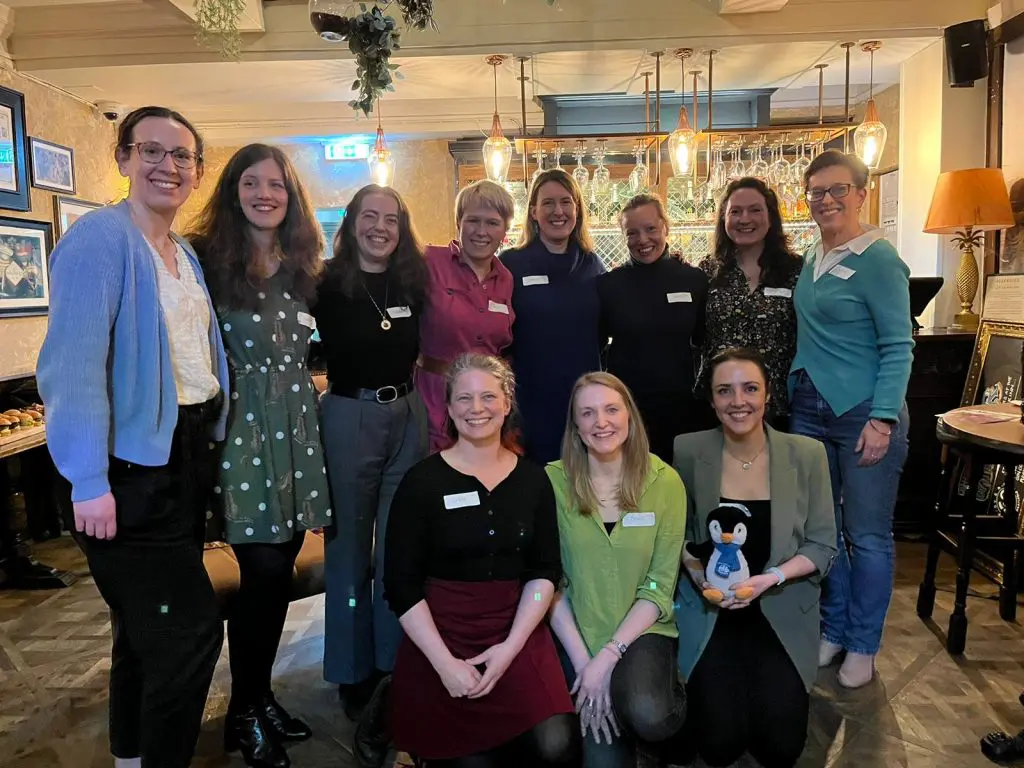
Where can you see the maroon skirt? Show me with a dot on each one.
(471, 617)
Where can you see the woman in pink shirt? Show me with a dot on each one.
(469, 299)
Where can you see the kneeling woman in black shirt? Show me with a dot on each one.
(472, 559)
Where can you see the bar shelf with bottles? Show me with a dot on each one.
(778, 155)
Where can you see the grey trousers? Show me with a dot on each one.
(369, 447)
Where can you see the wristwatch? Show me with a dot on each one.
(620, 647)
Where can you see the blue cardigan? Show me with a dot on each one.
(105, 371)
(855, 335)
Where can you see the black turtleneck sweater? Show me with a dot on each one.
(654, 316)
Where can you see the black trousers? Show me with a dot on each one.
(553, 743)
(167, 633)
(751, 697)
(257, 615)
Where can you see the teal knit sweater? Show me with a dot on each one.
(855, 335)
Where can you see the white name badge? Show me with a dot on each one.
(495, 306)
(397, 312)
(638, 520)
(459, 500)
(683, 297)
(843, 273)
(784, 293)
(307, 320)
(535, 280)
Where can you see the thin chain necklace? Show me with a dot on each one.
(745, 463)
(385, 324)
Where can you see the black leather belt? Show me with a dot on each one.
(386, 394)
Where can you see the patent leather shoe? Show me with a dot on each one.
(246, 731)
(280, 723)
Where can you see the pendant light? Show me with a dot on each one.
(869, 138)
(682, 140)
(497, 149)
(381, 161)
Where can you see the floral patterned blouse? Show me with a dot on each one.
(764, 320)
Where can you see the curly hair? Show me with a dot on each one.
(406, 263)
(777, 261)
(222, 239)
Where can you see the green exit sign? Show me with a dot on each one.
(347, 150)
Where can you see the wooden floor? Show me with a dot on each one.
(925, 710)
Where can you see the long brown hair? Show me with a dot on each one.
(222, 236)
(530, 228)
(636, 450)
(406, 263)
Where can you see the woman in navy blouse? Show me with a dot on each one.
(555, 337)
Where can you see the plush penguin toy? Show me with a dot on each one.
(722, 554)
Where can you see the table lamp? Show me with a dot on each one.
(966, 204)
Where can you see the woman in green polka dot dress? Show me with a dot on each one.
(260, 247)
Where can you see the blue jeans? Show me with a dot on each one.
(855, 595)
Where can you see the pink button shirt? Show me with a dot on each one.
(461, 314)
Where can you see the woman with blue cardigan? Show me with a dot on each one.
(848, 384)
(134, 378)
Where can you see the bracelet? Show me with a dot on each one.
(777, 573)
(620, 648)
(875, 427)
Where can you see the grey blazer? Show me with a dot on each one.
(803, 522)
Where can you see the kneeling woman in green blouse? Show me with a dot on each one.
(763, 497)
(621, 519)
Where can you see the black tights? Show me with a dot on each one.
(257, 614)
(554, 743)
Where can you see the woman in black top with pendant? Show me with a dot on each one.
(750, 298)
(374, 425)
(652, 309)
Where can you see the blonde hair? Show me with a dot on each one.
(485, 194)
(639, 201)
(500, 370)
(530, 228)
(636, 457)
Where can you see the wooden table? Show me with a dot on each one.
(976, 446)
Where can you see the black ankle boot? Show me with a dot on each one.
(247, 731)
(372, 738)
(280, 723)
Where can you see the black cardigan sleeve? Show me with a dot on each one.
(407, 545)
(543, 557)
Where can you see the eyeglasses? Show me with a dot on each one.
(154, 154)
(836, 190)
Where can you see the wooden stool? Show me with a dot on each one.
(961, 521)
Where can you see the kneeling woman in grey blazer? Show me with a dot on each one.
(761, 504)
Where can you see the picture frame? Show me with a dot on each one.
(53, 166)
(14, 187)
(67, 210)
(25, 247)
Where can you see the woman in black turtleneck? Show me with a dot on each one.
(652, 312)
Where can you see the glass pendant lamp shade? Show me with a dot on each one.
(869, 138)
(497, 153)
(381, 162)
(331, 18)
(681, 144)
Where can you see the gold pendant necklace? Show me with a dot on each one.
(745, 464)
(385, 324)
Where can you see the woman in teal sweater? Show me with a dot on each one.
(848, 383)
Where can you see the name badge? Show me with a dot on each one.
(459, 500)
(783, 293)
(397, 312)
(495, 306)
(307, 320)
(682, 297)
(638, 520)
(843, 273)
(535, 280)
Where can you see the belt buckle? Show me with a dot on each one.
(382, 394)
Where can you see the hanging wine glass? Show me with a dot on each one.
(557, 153)
(640, 174)
(580, 172)
(759, 168)
(601, 174)
(719, 175)
(800, 165)
(539, 156)
(778, 172)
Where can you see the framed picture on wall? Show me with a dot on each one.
(68, 210)
(14, 194)
(53, 166)
(24, 266)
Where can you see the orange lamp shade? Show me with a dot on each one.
(976, 198)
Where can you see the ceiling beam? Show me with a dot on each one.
(250, 20)
(748, 6)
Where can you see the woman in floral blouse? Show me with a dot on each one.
(750, 297)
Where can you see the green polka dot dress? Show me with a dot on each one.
(272, 480)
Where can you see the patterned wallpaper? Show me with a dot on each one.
(424, 176)
(56, 117)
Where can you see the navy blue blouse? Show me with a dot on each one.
(555, 337)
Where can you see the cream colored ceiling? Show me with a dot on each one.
(289, 83)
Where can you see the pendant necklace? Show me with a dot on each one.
(385, 324)
(745, 464)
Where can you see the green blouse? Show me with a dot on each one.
(605, 574)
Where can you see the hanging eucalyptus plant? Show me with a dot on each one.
(217, 25)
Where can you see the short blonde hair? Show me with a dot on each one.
(485, 194)
(636, 456)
